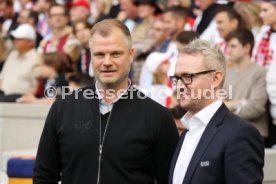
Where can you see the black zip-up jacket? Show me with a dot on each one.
(140, 140)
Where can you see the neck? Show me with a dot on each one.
(59, 32)
(274, 26)
(243, 63)
(23, 52)
(205, 104)
(112, 92)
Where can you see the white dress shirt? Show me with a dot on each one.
(196, 125)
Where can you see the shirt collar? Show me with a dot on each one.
(100, 97)
(203, 116)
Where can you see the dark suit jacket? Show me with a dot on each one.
(230, 151)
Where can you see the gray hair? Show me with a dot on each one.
(213, 56)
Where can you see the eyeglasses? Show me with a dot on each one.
(187, 78)
(57, 15)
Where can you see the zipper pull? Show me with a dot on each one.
(101, 149)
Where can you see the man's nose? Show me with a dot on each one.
(107, 60)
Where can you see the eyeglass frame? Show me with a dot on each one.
(174, 79)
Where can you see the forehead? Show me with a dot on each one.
(222, 15)
(189, 63)
(267, 5)
(114, 41)
(234, 41)
(168, 15)
(57, 9)
(158, 24)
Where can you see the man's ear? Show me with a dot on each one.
(132, 54)
(234, 23)
(218, 77)
(247, 47)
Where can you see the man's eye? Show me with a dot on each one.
(116, 54)
(98, 55)
(186, 76)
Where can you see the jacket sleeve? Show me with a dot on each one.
(244, 157)
(256, 103)
(48, 162)
(166, 142)
(271, 88)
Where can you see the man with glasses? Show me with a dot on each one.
(61, 39)
(217, 146)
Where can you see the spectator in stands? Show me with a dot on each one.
(30, 17)
(3, 53)
(182, 40)
(250, 13)
(26, 4)
(61, 39)
(129, 14)
(147, 9)
(78, 81)
(271, 89)
(158, 41)
(265, 46)
(160, 89)
(205, 23)
(159, 36)
(10, 23)
(175, 19)
(51, 77)
(149, 67)
(82, 32)
(227, 20)
(42, 7)
(16, 78)
(79, 11)
(246, 81)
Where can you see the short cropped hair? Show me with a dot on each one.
(177, 11)
(232, 14)
(106, 27)
(186, 37)
(243, 35)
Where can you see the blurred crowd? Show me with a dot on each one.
(45, 43)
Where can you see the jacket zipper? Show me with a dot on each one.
(101, 142)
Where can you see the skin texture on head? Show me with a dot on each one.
(23, 45)
(237, 52)
(112, 56)
(158, 32)
(146, 11)
(82, 32)
(129, 8)
(78, 13)
(195, 96)
(174, 19)
(268, 11)
(57, 19)
(224, 24)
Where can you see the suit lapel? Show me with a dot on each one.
(204, 142)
